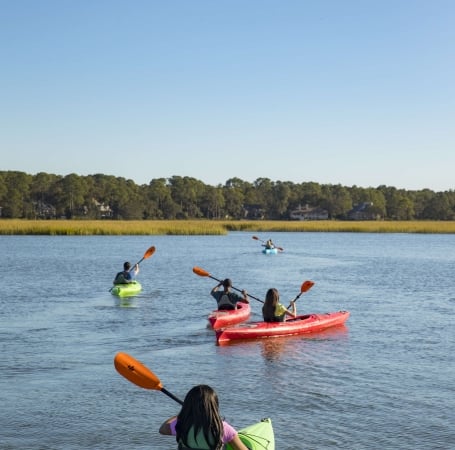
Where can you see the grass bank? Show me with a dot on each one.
(211, 227)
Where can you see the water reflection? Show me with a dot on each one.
(276, 348)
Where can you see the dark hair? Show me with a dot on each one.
(126, 265)
(200, 413)
(227, 283)
(268, 309)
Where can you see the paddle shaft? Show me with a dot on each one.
(302, 290)
(169, 394)
(281, 249)
(147, 254)
(238, 290)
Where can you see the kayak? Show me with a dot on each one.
(258, 436)
(220, 318)
(126, 289)
(309, 323)
(270, 251)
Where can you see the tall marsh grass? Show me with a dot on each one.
(211, 227)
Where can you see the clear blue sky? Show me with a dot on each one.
(332, 91)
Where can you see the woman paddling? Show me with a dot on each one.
(199, 426)
(273, 310)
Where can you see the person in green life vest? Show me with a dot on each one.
(273, 310)
(127, 275)
(199, 425)
(226, 299)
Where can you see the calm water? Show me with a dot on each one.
(385, 381)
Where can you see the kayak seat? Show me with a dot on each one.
(226, 308)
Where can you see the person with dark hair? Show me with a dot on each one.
(127, 275)
(269, 244)
(199, 426)
(226, 299)
(273, 310)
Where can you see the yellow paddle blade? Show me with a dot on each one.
(200, 272)
(136, 372)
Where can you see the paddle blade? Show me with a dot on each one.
(149, 252)
(306, 285)
(200, 272)
(256, 238)
(136, 372)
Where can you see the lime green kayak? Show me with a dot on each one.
(127, 289)
(258, 436)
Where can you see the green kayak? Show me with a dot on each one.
(258, 436)
(127, 289)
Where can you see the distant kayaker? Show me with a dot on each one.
(227, 299)
(127, 275)
(273, 310)
(199, 424)
(269, 244)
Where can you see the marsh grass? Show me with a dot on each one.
(211, 227)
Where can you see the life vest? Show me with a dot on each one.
(200, 441)
(225, 302)
(120, 278)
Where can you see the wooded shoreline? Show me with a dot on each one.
(212, 227)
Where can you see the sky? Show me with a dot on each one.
(351, 92)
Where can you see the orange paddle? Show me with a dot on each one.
(140, 375)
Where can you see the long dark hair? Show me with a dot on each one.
(268, 309)
(200, 412)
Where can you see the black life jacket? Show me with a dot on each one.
(225, 302)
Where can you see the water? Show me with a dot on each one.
(383, 381)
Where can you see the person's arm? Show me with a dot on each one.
(216, 287)
(293, 312)
(237, 444)
(245, 297)
(165, 427)
(134, 271)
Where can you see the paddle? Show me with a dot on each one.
(306, 286)
(140, 375)
(281, 249)
(204, 273)
(147, 254)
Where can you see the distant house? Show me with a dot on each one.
(363, 211)
(253, 212)
(309, 213)
(105, 211)
(44, 210)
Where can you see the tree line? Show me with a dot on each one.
(99, 196)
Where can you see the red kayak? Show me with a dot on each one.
(224, 318)
(309, 323)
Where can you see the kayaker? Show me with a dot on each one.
(273, 310)
(269, 244)
(127, 275)
(199, 424)
(227, 299)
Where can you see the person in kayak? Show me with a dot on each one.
(199, 426)
(226, 299)
(273, 310)
(127, 275)
(269, 244)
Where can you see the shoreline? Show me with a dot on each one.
(18, 227)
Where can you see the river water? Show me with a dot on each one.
(383, 381)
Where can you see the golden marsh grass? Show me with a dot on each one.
(212, 227)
